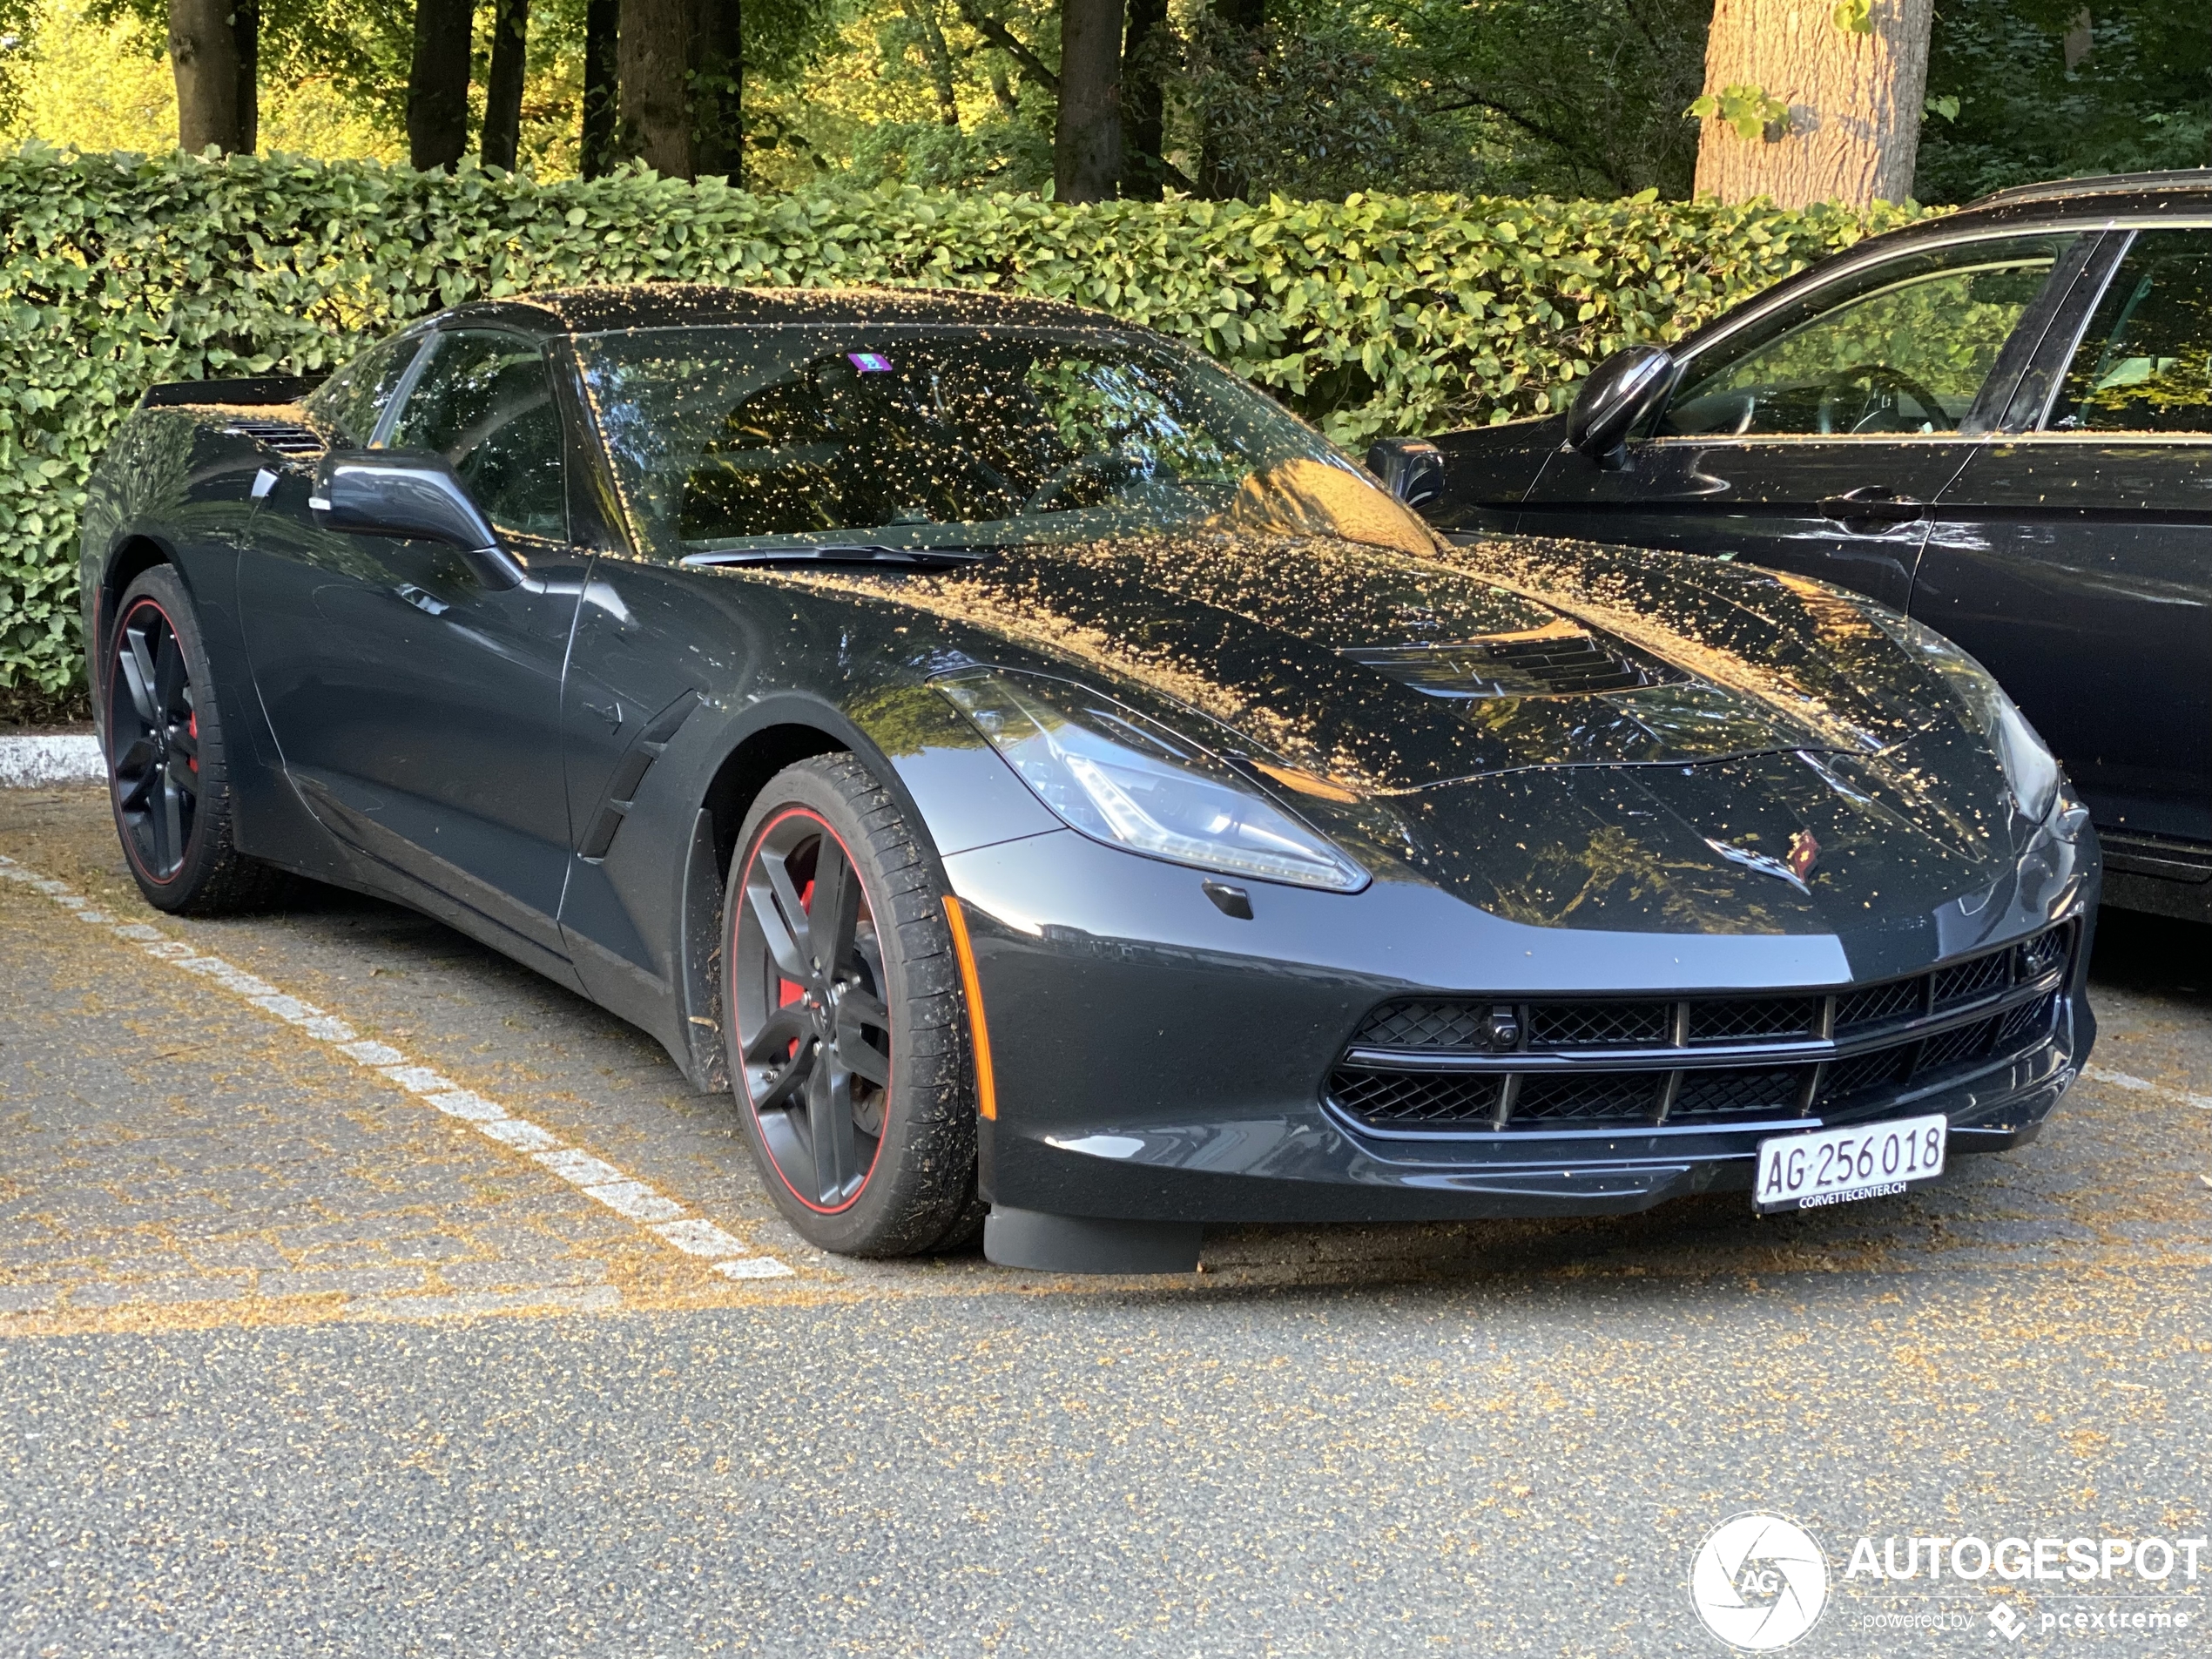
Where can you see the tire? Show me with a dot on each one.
(169, 778)
(852, 1081)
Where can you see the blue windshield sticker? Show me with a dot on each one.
(869, 362)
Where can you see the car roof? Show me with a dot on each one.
(2196, 182)
(670, 305)
(2064, 203)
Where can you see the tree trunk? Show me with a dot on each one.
(203, 51)
(510, 38)
(602, 96)
(437, 85)
(923, 15)
(656, 64)
(1087, 145)
(1143, 172)
(1853, 130)
(717, 95)
(246, 40)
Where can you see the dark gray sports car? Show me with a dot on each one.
(1045, 779)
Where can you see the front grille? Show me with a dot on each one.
(1750, 1019)
(1412, 1097)
(1970, 981)
(1722, 1093)
(1427, 1025)
(1879, 1004)
(1600, 1025)
(1893, 1035)
(1603, 1094)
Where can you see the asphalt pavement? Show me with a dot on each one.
(361, 1294)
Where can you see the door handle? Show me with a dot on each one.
(1875, 502)
(421, 601)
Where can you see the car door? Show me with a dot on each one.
(418, 712)
(1811, 437)
(2074, 556)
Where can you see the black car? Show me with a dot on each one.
(1042, 774)
(1999, 421)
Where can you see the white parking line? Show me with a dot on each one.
(595, 1178)
(2143, 1085)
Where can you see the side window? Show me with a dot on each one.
(2145, 361)
(485, 402)
(1902, 346)
(351, 400)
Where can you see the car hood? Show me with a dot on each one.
(1390, 670)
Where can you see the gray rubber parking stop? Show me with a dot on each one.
(1088, 1245)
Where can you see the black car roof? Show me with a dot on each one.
(667, 305)
(2194, 181)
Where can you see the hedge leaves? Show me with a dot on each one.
(1377, 313)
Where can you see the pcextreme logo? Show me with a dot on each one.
(1758, 1581)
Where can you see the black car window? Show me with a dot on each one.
(351, 401)
(485, 402)
(2145, 361)
(1902, 346)
(968, 435)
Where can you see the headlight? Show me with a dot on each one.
(1127, 781)
(2031, 770)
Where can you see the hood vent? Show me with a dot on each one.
(285, 437)
(1558, 660)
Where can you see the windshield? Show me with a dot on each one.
(725, 439)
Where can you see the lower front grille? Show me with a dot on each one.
(1397, 1097)
(1896, 1035)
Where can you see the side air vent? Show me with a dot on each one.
(1558, 661)
(285, 437)
(621, 788)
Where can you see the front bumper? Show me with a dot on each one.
(1158, 1061)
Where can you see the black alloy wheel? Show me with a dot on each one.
(818, 1054)
(153, 741)
(169, 775)
(846, 1023)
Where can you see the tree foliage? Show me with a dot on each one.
(2137, 95)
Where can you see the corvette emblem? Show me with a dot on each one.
(1804, 849)
(1793, 867)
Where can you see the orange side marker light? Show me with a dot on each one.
(987, 1099)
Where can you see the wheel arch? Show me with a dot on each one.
(132, 556)
(777, 738)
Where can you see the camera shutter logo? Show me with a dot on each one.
(1758, 1581)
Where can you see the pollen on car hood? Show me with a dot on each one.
(1394, 669)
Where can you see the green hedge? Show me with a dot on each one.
(1407, 314)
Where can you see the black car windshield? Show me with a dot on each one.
(726, 439)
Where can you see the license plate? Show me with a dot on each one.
(1837, 1165)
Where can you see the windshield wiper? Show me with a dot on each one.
(921, 558)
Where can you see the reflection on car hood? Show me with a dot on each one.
(1389, 671)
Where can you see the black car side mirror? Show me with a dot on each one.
(1411, 468)
(1620, 392)
(382, 492)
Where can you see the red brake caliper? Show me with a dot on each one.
(191, 724)
(788, 991)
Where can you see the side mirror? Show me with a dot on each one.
(1411, 468)
(1620, 392)
(378, 492)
